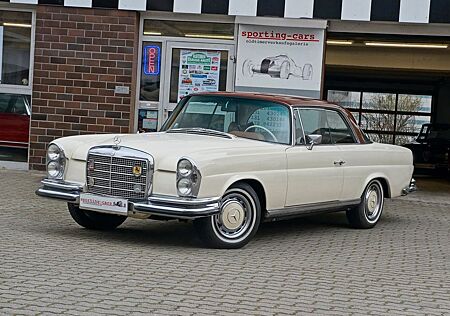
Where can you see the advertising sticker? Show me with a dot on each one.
(199, 72)
(280, 58)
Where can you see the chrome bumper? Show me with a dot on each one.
(167, 206)
(411, 188)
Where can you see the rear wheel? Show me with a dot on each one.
(368, 212)
(237, 222)
(94, 220)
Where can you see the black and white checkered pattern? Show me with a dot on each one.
(407, 11)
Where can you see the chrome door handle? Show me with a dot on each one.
(339, 163)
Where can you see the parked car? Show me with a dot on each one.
(229, 161)
(14, 120)
(431, 149)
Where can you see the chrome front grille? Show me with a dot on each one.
(112, 175)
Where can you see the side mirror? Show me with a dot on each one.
(313, 139)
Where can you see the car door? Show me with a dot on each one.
(314, 172)
(355, 157)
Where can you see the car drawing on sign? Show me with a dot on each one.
(14, 120)
(431, 148)
(227, 162)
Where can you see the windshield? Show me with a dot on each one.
(247, 118)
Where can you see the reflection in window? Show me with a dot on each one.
(378, 121)
(381, 138)
(379, 101)
(387, 117)
(346, 99)
(414, 103)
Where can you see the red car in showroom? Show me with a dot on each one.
(14, 120)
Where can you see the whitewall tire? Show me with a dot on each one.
(368, 212)
(237, 222)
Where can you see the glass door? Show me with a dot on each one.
(150, 88)
(196, 67)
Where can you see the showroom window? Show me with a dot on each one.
(15, 47)
(386, 117)
(187, 29)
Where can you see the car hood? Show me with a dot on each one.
(166, 148)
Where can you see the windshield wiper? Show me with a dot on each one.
(200, 131)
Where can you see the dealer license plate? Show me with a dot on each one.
(103, 204)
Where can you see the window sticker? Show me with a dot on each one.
(199, 72)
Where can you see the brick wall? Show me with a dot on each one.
(81, 55)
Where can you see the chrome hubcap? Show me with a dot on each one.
(374, 202)
(233, 215)
(237, 216)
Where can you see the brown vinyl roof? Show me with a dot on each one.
(285, 99)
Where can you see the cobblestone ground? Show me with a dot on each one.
(317, 265)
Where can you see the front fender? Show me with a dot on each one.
(274, 185)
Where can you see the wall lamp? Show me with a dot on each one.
(152, 33)
(406, 45)
(339, 42)
(224, 37)
(17, 25)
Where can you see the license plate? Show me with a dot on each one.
(103, 204)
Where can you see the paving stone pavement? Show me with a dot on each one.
(49, 265)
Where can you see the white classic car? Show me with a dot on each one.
(228, 161)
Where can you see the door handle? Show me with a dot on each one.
(339, 162)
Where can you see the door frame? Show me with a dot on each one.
(165, 42)
(167, 105)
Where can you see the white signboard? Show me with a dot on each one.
(280, 59)
(199, 72)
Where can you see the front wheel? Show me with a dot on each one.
(94, 220)
(237, 222)
(368, 212)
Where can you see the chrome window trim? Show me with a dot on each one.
(296, 111)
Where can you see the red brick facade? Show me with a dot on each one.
(81, 55)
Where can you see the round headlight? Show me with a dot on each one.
(53, 152)
(54, 169)
(184, 186)
(184, 167)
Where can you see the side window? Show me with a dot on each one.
(4, 103)
(340, 131)
(315, 123)
(10, 103)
